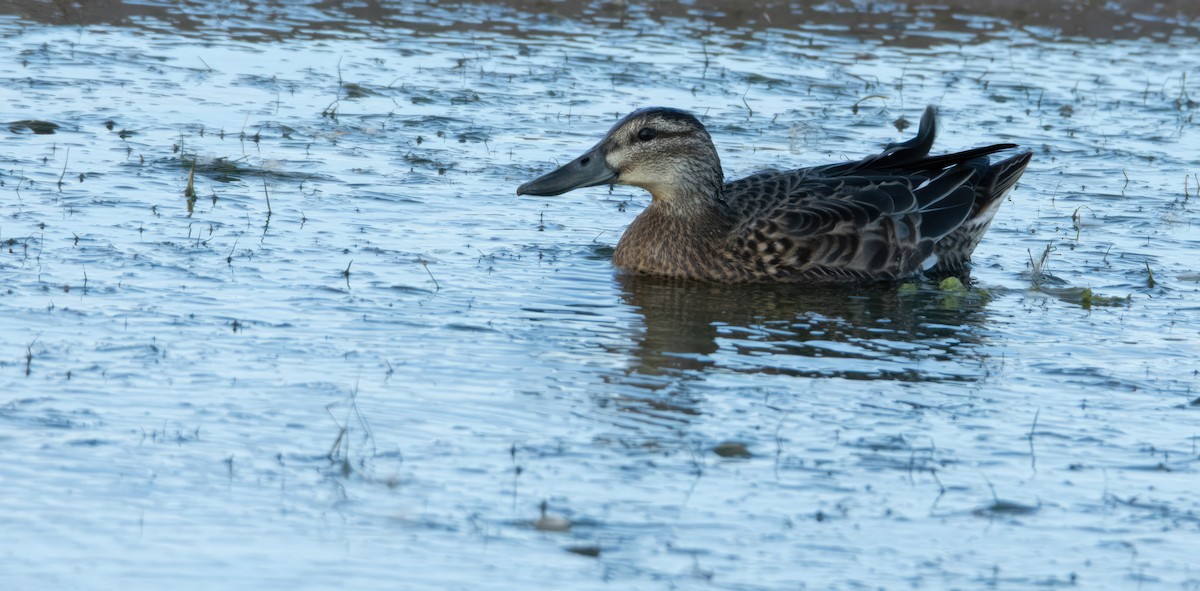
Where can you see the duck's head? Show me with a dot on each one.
(665, 151)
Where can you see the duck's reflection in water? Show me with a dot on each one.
(820, 337)
(869, 333)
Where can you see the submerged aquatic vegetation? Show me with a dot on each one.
(1087, 298)
(189, 192)
(1048, 284)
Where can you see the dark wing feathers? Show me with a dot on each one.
(1005, 174)
(947, 214)
(945, 202)
(876, 218)
(884, 198)
(954, 251)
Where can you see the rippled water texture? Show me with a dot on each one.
(353, 358)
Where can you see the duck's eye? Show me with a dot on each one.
(646, 134)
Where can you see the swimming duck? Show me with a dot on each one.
(883, 218)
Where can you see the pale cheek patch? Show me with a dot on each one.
(645, 176)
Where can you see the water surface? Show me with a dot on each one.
(353, 358)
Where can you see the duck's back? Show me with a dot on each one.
(879, 218)
(802, 226)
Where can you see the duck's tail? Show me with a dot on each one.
(954, 250)
(913, 155)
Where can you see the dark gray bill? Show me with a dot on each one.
(588, 170)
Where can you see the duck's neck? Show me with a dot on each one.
(693, 184)
(678, 239)
(684, 230)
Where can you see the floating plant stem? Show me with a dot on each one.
(1077, 219)
(1032, 429)
(190, 190)
(1038, 266)
(29, 357)
(268, 196)
(854, 107)
(425, 264)
(66, 159)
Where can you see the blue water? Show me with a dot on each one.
(375, 379)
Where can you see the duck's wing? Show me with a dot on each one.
(875, 218)
(954, 251)
(807, 225)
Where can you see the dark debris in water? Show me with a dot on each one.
(220, 169)
(732, 449)
(34, 126)
(474, 135)
(589, 550)
(357, 91)
(1002, 507)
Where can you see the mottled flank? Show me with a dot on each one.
(876, 219)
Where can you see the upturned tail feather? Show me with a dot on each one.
(954, 250)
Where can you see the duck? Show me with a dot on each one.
(889, 216)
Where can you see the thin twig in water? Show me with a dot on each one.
(779, 443)
(1077, 219)
(1038, 267)
(337, 442)
(29, 357)
(229, 258)
(65, 160)
(517, 470)
(995, 498)
(941, 489)
(268, 195)
(339, 452)
(242, 134)
(854, 107)
(190, 190)
(1032, 428)
(425, 264)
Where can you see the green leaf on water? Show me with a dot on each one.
(952, 284)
